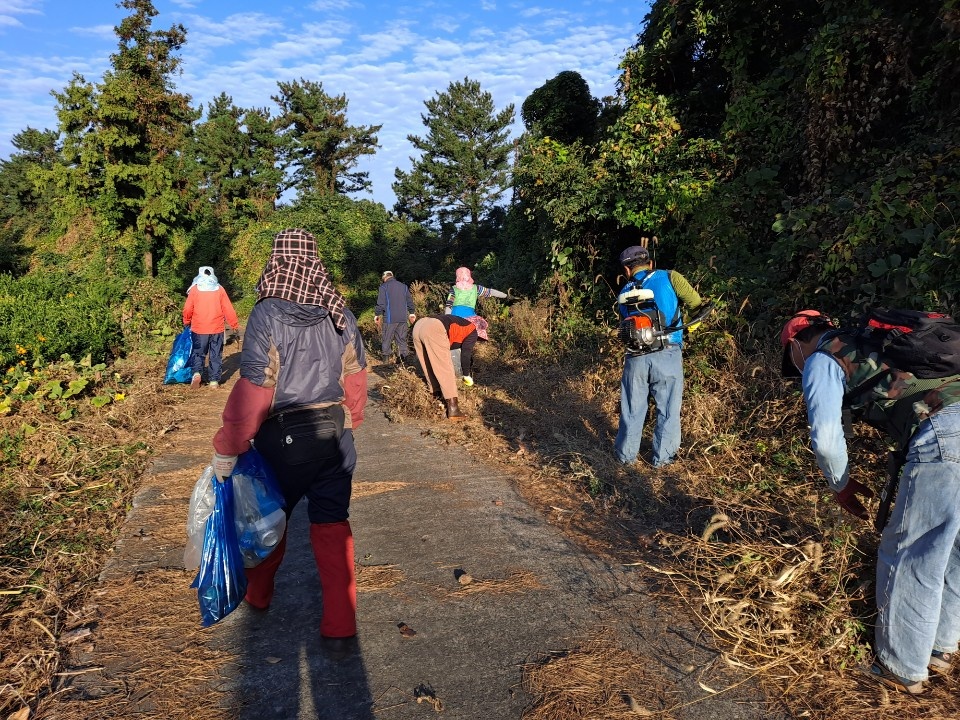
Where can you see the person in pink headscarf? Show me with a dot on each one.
(462, 302)
(462, 299)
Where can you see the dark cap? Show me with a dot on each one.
(634, 255)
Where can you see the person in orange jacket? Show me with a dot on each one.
(206, 310)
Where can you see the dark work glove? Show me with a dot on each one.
(848, 500)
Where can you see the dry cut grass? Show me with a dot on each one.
(64, 495)
(596, 680)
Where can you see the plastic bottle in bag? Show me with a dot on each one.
(260, 520)
(269, 529)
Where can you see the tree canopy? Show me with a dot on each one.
(463, 167)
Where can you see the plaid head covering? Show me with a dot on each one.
(294, 272)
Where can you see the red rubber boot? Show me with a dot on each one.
(333, 550)
(260, 578)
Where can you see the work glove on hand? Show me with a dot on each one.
(497, 294)
(412, 318)
(848, 500)
(377, 320)
(223, 465)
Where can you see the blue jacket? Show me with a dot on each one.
(392, 299)
(309, 356)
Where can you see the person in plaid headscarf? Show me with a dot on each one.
(300, 396)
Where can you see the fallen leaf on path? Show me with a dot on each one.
(635, 707)
(425, 693)
(74, 635)
(272, 660)
(21, 714)
(406, 630)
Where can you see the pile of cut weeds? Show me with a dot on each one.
(740, 532)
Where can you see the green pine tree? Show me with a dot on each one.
(319, 146)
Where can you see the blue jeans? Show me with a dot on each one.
(203, 344)
(918, 563)
(660, 375)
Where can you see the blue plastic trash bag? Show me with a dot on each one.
(259, 508)
(221, 582)
(178, 366)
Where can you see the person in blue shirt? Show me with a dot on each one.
(657, 374)
(393, 314)
(918, 560)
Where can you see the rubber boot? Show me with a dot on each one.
(453, 410)
(260, 578)
(333, 551)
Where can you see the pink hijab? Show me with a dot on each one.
(464, 278)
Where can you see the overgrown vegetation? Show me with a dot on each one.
(740, 534)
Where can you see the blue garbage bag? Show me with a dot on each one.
(258, 507)
(221, 582)
(178, 366)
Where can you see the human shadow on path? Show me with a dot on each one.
(282, 672)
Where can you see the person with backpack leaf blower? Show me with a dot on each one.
(847, 370)
(650, 307)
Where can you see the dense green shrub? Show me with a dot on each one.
(45, 316)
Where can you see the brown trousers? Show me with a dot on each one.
(432, 346)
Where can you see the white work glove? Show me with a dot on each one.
(497, 294)
(412, 318)
(223, 465)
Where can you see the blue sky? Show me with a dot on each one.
(386, 57)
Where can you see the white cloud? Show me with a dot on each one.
(330, 5)
(101, 32)
(10, 9)
(388, 42)
(204, 34)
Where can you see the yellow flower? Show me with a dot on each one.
(41, 338)
(21, 350)
(23, 362)
(119, 396)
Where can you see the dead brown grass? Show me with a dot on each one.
(371, 578)
(519, 581)
(179, 679)
(64, 497)
(596, 680)
(739, 533)
(366, 489)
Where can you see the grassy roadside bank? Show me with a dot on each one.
(75, 441)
